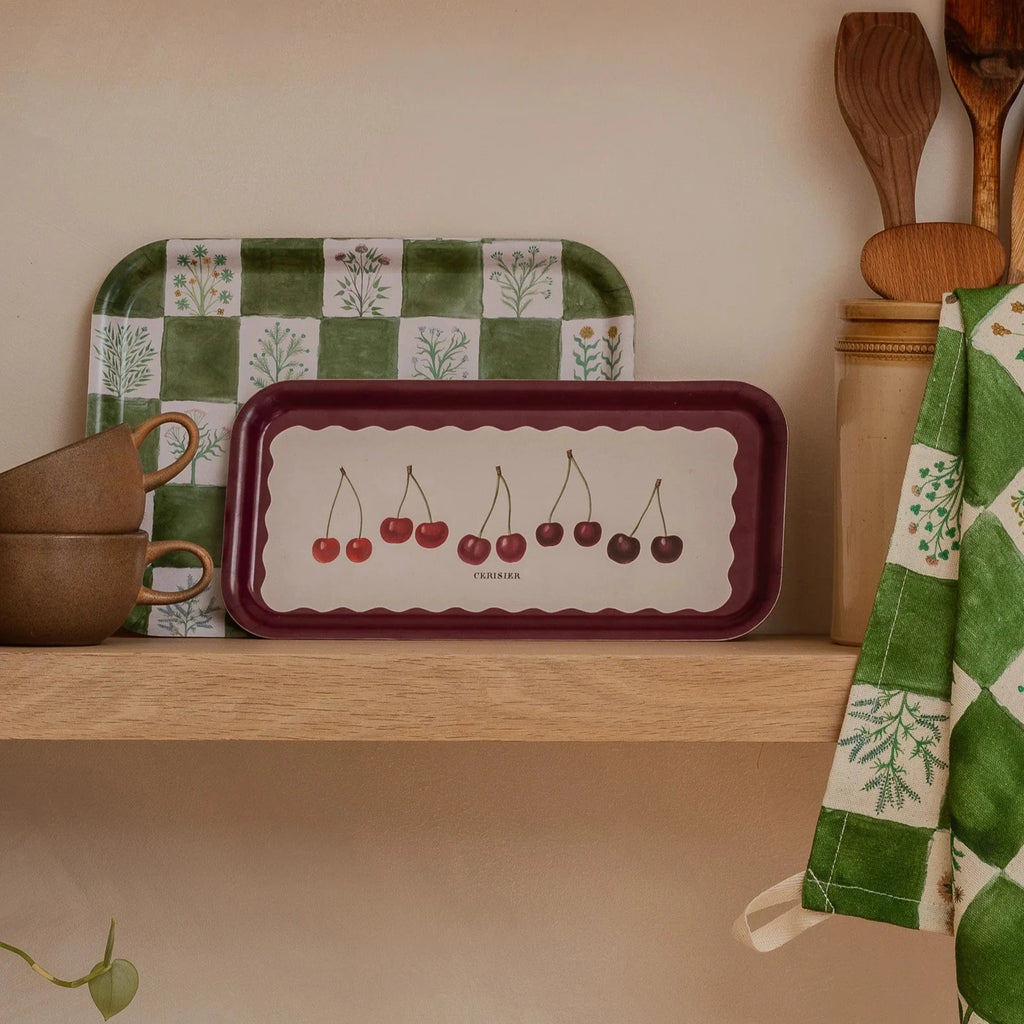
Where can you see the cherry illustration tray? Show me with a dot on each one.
(199, 325)
(505, 508)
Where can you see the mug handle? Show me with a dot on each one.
(150, 481)
(158, 549)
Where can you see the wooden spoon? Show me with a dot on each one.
(887, 84)
(1015, 273)
(985, 51)
(919, 262)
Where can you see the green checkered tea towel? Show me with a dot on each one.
(922, 823)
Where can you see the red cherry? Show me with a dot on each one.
(549, 534)
(474, 549)
(326, 549)
(587, 533)
(510, 547)
(622, 548)
(431, 535)
(358, 549)
(394, 530)
(667, 548)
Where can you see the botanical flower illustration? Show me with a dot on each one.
(937, 513)
(125, 355)
(362, 288)
(199, 288)
(524, 279)
(896, 732)
(186, 618)
(597, 358)
(438, 356)
(211, 442)
(279, 357)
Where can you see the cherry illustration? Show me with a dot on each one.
(623, 548)
(510, 547)
(327, 548)
(587, 532)
(396, 529)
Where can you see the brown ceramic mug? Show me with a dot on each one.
(79, 588)
(95, 485)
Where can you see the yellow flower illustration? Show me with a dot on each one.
(587, 333)
(1000, 330)
(1017, 307)
(220, 312)
(613, 332)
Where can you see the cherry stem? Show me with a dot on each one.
(657, 484)
(327, 532)
(408, 474)
(355, 493)
(494, 501)
(508, 494)
(661, 511)
(568, 470)
(430, 517)
(590, 501)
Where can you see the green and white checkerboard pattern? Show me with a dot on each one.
(922, 823)
(200, 325)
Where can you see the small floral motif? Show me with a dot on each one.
(125, 354)
(1000, 331)
(439, 356)
(524, 279)
(186, 618)
(937, 515)
(199, 288)
(362, 289)
(211, 442)
(279, 357)
(597, 358)
(896, 732)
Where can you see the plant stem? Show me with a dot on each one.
(657, 484)
(568, 470)
(95, 973)
(430, 517)
(497, 486)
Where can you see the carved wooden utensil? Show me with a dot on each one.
(1015, 273)
(887, 84)
(985, 52)
(919, 262)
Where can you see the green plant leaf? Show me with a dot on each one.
(113, 990)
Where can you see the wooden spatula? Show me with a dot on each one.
(985, 51)
(887, 84)
(919, 262)
(1015, 273)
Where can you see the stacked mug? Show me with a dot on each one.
(72, 554)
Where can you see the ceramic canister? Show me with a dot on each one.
(884, 352)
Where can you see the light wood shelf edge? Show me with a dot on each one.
(758, 689)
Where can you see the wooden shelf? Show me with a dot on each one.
(134, 688)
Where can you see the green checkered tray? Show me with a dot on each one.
(201, 325)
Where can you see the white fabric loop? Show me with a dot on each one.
(780, 930)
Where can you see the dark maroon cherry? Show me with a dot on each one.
(667, 548)
(510, 547)
(326, 549)
(431, 535)
(358, 549)
(395, 529)
(549, 534)
(587, 533)
(474, 549)
(622, 548)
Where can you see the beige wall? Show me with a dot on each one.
(698, 145)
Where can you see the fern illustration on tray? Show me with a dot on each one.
(125, 354)
(362, 288)
(211, 441)
(187, 618)
(279, 357)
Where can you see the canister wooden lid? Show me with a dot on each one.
(888, 309)
(882, 328)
